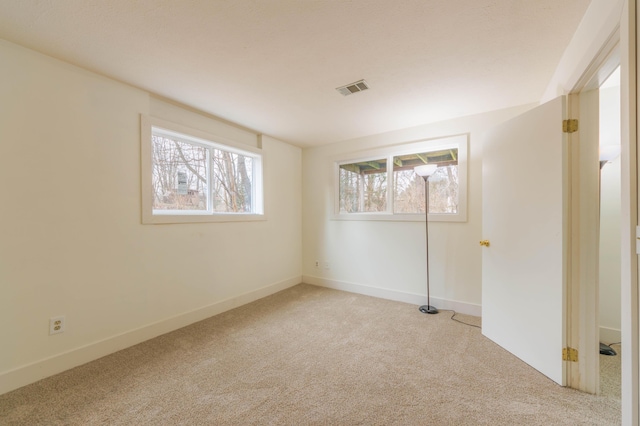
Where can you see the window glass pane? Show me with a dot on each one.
(443, 190)
(363, 186)
(408, 192)
(232, 182)
(408, 187)
(179, 177)
(349, 190)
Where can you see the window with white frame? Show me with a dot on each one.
(189, 176)
(363, 186)
(382, 185)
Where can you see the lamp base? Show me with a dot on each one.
(428, 309)
(607, 350)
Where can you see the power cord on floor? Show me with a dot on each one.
(611, 344)
(453, 317)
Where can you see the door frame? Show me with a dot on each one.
(630, 197)
(582, 317)
(619, 30)
(582, 292)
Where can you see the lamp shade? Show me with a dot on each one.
(609, 152)
(425, 170)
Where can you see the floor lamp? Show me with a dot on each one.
(608, 153)
(425, 171)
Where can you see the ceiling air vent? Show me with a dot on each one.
(352, 88)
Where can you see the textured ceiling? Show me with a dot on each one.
(273, 65)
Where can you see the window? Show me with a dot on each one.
(408, 187)
(189, 176)
(384, 186)
(363, 186)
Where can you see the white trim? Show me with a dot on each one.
(598, 24)
(417, 217)
(398, 296)
(610, 335)
(460, 141)
(22, 376)
(168, 218)
(582, 314)
(630, 328)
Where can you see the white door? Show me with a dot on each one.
(524, 269)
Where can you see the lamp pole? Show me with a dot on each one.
(426, 171)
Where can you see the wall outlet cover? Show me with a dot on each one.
(56, 325)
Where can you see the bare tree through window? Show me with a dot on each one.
(363, 184)
(443, 191)
(179, 175)
(231, 182)
(189, 176)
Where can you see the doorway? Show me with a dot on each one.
(609, 303)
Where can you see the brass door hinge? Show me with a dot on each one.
(570, 126)
(570, 354)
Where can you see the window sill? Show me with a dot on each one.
(433, 217)
(158, 219)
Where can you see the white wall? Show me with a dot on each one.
(387, 259)
(591, 39)
(72, 242)
(610, 219)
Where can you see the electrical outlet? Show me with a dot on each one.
(56, 325)
(317, 264)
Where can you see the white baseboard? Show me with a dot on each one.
(24, 375)
(399, 296)
(610, 335)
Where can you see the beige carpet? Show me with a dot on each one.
(611, 374)
(310, 356)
